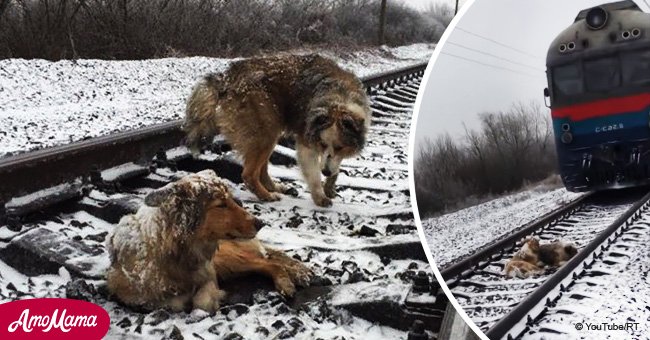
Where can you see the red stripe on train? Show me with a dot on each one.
(604, 107)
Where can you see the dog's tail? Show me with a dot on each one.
(200, 125)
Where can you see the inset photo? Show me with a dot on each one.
(531, 164)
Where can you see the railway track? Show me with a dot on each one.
(600, 224)
(57, 206)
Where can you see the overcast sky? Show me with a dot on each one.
(480, 80)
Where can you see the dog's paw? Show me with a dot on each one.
(208, 298)
(279, 187)
(299, 273)
(322, 201)
(285, 286)
(271, 197)
(208, 305)
(301, 276)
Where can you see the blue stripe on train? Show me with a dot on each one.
(616, 127)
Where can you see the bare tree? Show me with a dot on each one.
(511, 148)
(382, 22)
(127, 29)
(3, 6)
(440, 14)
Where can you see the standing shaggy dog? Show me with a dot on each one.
(161, 256)
(258, 100)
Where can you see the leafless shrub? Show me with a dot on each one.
(440, 16)
(510, 150)
(442, 13)
(136, 29)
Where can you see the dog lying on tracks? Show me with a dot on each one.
(533, 256)
(258, 100)
(163, 256)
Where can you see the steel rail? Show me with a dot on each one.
(513, 324)
(418, 309)
(453, 273)
(29, 172)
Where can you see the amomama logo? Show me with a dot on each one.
(52, 319)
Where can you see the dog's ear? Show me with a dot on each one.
(319, 121)
(158, 196)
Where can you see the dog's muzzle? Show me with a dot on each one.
(326, 172)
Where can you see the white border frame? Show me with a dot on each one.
(411, 155)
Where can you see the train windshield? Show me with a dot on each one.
(589, 79)
(636, 68)
(602, 75)
(568, 80)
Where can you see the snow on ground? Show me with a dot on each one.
(611, 301)
(269, 317)
(339, 243)
(43, 103)
(457, 235)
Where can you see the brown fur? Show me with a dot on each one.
(524, 263)
(161, 255)
(556, 253)
(533, 256)
(518, 268)
(237, 258)
(258, 100)
(529, 252)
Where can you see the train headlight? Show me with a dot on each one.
(567, 137)
(566, 127)
(597, 18)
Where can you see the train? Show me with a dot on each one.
(598, 72)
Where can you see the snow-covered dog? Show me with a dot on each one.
(256, 101)
(533, 256)
(525, 261)
(161, 256)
